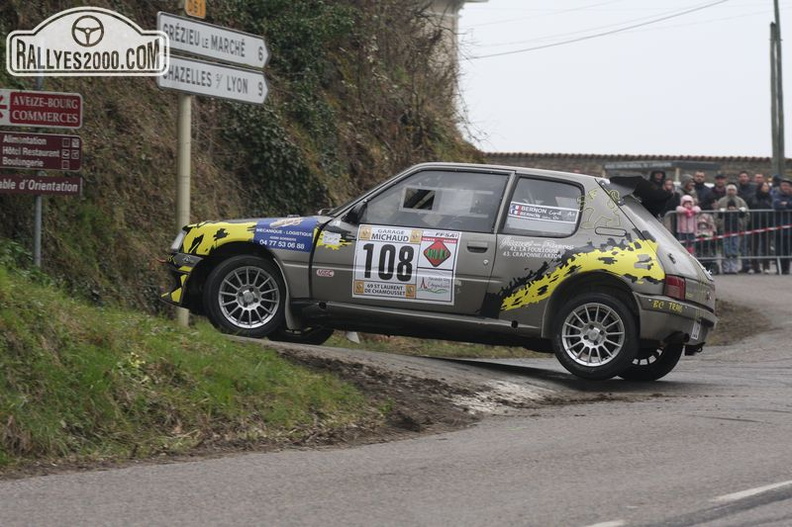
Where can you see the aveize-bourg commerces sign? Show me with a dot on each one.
(41, 108)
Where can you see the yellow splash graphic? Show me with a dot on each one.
(207, 236)
(636, 261)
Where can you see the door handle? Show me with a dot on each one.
(477, 247)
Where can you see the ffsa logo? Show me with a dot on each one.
(87, 41)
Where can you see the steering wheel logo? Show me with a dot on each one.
(87, 31)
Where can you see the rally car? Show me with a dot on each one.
(556, 262)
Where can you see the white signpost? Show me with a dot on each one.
(191, 76)
(213, 42)
(198, 77)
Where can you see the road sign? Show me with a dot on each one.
(213, 42)
(196, 8)
(41, 185)
(40, 108)
(198, 77)
(40, 151)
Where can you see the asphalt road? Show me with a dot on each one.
(708, 445)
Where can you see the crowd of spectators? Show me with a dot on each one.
(739, 226)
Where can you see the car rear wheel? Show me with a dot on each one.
(315, 335)
(245, 295)
(653, 363)
(595, 336)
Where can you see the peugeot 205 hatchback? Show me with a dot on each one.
(552, 261)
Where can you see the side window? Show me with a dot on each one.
(443, 200)
(543, 208)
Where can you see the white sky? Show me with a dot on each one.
(697, 84)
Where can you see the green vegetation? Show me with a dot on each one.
(81, 383)
(356, 94)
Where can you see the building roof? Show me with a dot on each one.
(632, 157)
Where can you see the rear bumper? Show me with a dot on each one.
(663, 318)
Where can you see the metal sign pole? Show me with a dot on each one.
(39, 204)
(184, 139)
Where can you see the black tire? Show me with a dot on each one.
(244, 295)
(653, 363)
(595, 336)
(315, 335)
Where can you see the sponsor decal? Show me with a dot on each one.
(325, 273)
(288, 234)
(331, 240)
(87, 41)
(520, 247)
(397, 263)
(542, 212)
(437, 253)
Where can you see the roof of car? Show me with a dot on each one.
(503, 168)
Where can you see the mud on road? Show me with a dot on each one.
(431, 395)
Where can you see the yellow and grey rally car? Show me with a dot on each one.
(553, 261)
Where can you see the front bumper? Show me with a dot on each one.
(180, 265)
(663, 318)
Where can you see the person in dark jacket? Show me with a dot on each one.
(702, 190)
(652, 194)
(717, 192)
(782, 203)
(761, 204)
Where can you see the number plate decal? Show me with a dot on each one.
(398, 263)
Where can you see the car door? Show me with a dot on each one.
(540, 225)
(426, 242)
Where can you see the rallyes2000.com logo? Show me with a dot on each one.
(87, 41)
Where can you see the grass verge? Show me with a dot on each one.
(86, 384)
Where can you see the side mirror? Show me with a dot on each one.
(355, 213)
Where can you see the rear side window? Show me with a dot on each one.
(540, 207)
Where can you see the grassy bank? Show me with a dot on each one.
(80, 383)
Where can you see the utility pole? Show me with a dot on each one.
(777, 95)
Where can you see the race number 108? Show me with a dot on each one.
(387, 262)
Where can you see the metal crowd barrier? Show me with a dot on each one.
(733, 241)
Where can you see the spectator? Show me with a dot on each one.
(669, 220)
(761, 215)
(745, 189)
(758, 179)
(715, 193)
(657, 177)
(775, 182)
(652, 194)
(687, 187)
(782, 203)
(705, 245)
(686, 221)
(732, 220)
(702, 190)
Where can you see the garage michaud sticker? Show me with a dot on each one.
(398, 263)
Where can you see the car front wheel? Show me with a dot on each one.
(595, 336)
(245, 295)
